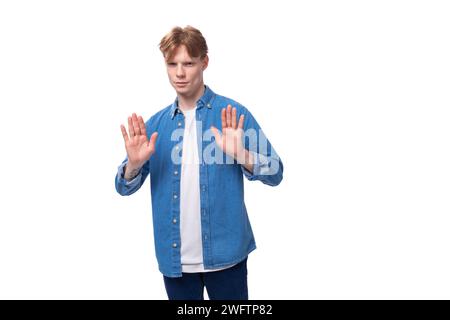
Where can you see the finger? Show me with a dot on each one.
(130, 127)
(124, 133)
(224, 119)
(241, 122)
(137, 130)
(229, 116)
(152, 141)
(142, 126)
(233, 118)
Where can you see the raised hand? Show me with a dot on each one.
(230, 141)
(139, 148)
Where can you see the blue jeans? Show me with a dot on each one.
(227, 284)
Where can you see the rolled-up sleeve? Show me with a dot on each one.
(267, 166)
(266, 169)
(125, 187)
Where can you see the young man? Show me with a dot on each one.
(201, 229)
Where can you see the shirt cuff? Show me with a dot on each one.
(260, 166)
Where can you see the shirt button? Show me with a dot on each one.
(206, 237)
(209, 105)
(175, 172)
(203, 188)
(174, 220)
(174, 245)
(179, 124)
(177, 147)
(175, 196)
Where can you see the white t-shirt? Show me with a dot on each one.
(190, 224)
(190, 219)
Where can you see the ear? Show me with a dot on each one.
(205, 62)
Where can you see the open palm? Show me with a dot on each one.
(230, 141)
(139, 147)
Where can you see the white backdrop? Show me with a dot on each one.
(354, 95)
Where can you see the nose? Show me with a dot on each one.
(180, 71)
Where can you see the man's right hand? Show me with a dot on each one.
(139, 148)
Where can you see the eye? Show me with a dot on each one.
(189, 64)
(171, 64)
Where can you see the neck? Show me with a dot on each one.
(189, 102)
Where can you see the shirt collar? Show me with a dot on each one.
(205, 100)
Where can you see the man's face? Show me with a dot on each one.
(186, 73)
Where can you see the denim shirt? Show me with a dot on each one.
(227, 236)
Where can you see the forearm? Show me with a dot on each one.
(131, 171)
(247, 160)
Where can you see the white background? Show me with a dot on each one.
(354, 95)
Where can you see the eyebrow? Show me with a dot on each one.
(187, 61)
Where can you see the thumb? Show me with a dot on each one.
(153, 138)
(215, 133)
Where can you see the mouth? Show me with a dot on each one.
(181, 83)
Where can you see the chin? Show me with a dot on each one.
(182, 90)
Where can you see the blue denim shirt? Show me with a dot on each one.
(227, 236)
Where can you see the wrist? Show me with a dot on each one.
(131, 171)
(134, 165)
(244, 157)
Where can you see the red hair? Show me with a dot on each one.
(189, 37)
